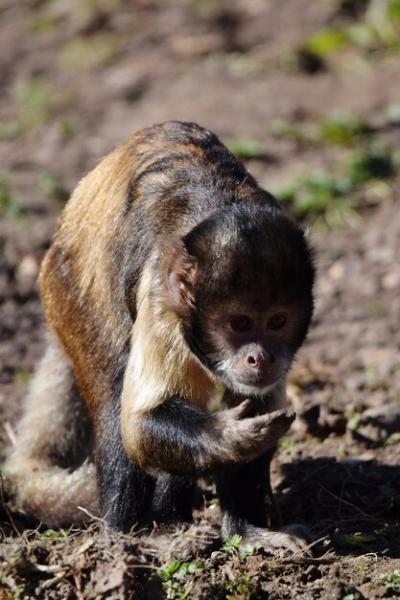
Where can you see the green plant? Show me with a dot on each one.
(176, 578)
(232, 544)
(245, 148)
(344, 129)
(10, 205)
(373, 162)
(53, 534)
(51, 185)
(243, 587)
(392, 581)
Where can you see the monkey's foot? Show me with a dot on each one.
(295, 539)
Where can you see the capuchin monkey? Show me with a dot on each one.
(171, 274)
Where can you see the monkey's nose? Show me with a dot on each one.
(257, 360)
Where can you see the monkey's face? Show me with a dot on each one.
(251, 350)
(242, 281)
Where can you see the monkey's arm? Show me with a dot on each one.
(180, 438)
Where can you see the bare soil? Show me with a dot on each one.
(227, 66)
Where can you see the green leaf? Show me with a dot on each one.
(170, 568)
(327, 42)
(232, 543)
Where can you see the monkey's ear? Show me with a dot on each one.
(181, 276)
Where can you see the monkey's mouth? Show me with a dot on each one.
(251, 387)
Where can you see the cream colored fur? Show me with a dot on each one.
(51, 493)
(160, 364)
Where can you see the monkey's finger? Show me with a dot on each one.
(243, 410)
(278, 417)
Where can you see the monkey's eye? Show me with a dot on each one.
(240, 323)
(277, 321)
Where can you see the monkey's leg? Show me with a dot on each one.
(173, 499)
(126, 489)
(243, 492)
(53, 435)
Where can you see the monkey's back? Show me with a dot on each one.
(161, 183)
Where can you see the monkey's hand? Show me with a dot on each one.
(246, 437)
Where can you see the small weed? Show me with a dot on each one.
(176, 578)
(392, 581)
(53, 534)
(243, 587)
(333, 200)
(344, 129)
(232, 544)
(246, 148)
(10, 205)
(377, 30)
(51, 186)
(374, 162)
(326, 42)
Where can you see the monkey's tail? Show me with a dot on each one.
(53, 494)
(54, 432)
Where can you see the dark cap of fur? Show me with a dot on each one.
(251, 251)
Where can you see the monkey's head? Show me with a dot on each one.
(242, 283)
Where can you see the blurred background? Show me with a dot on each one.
(307, 93)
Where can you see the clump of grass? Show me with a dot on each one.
(377, 30)
(377, 161)
(341, 128)
(322, 196)
(246, 148)
(344, 129)
(333, 199)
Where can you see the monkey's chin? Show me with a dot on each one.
(251, 390)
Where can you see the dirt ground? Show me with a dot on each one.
(76, 78)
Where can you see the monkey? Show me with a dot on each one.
(171, 274)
